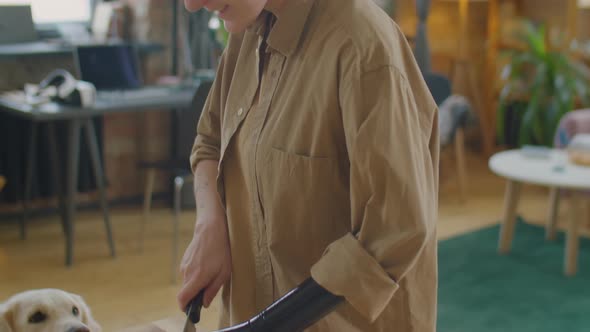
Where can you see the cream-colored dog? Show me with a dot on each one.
(46, 310)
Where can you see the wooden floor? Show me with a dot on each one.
(135, 289)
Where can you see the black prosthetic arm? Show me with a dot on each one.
(297, 310)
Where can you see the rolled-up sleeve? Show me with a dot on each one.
(208, 139)
(393, 189)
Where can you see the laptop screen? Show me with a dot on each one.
(109, 67)
(16, 24)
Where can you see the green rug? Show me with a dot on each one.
(525, 291)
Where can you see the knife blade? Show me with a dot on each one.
(193, 313)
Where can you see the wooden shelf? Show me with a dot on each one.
(510, 45)
(581, 56)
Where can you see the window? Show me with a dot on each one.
(56, 11)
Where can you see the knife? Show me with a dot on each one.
(193, 312)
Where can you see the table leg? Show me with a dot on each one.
(29, 177)
(511, 199)
(553, 212)
(100, 180)
(460, 160)
(577, 214)
(178, 185)
(72, 166)
(55, 170)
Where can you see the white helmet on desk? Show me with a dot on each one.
(62, 87)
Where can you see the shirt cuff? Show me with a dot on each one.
(347, 269)
(203, 150)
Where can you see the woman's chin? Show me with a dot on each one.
(234, 27)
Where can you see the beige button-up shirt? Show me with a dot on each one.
(328, 166)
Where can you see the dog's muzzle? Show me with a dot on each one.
(78, 329)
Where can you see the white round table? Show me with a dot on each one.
(554, 171)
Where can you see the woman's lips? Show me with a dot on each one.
(223, 11)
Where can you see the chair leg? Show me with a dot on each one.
(55, 172)
(147, 205)
(460, 159)
(99, 177)
(178, 185)
(553, 212)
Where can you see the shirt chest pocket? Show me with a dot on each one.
(305, 200)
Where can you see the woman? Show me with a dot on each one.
(316, 155)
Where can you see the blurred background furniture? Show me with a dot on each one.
(464, 72)
(79, 119)
(178, 167)
(573, 123)
(195, 53)
(552, 169)
(420, 41)
(452, 121)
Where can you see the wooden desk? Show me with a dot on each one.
(44, 48)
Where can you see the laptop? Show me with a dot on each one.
(115, 72)
(16, 25)
(109, 67)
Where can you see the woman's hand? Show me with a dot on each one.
(206, 264)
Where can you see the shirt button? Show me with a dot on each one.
(240, 111)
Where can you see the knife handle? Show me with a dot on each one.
(193, 309)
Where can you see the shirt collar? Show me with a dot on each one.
(287, 31)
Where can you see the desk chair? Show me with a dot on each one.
(571, 124)
(441, 90)
(179, 167)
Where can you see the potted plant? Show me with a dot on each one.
(541, 84)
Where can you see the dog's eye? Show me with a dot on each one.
(75, 311)
(37, 317)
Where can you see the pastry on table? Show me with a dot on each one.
(579, 150)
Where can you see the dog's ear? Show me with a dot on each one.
(6, 318)
(86, 314)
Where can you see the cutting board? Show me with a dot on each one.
(175, 324)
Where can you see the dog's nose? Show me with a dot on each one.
(78, 329)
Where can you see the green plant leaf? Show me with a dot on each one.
(535, 39)
(525, 134)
